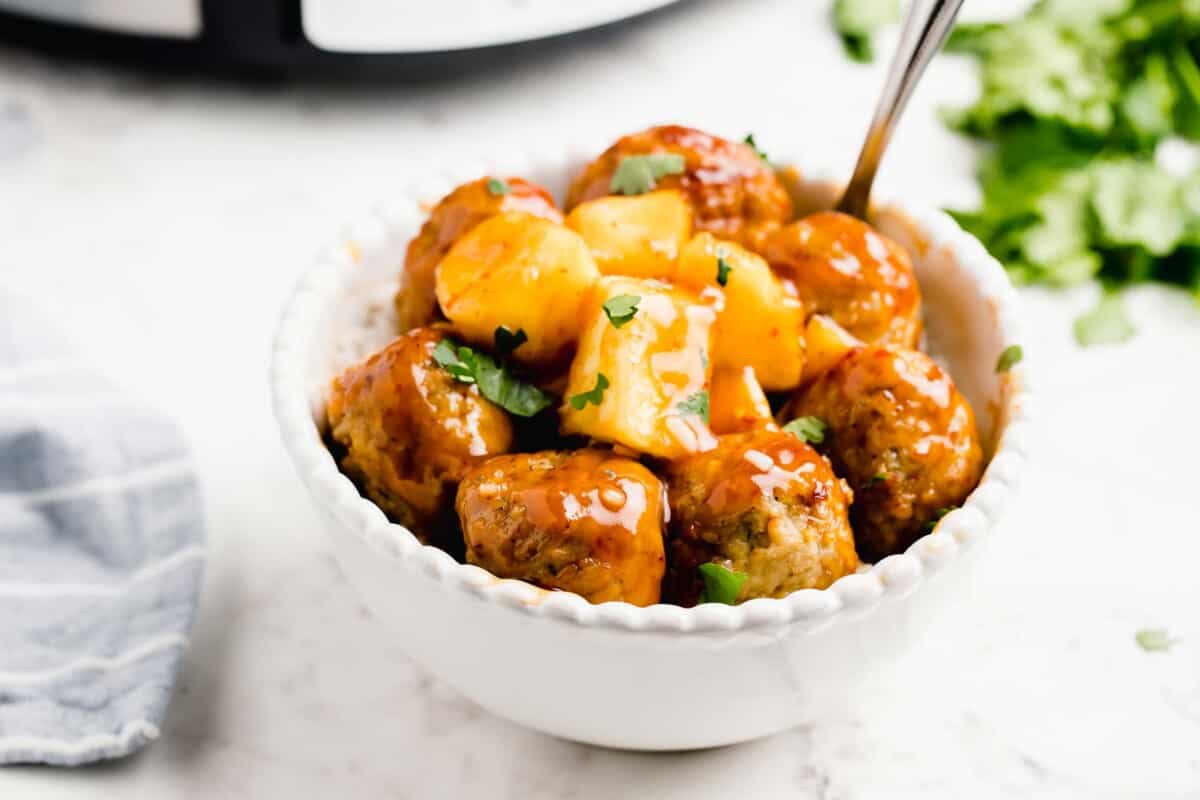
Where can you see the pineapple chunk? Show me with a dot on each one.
(826, 342)
(737, 401)
(762, 325)
(640, 236)
(522, 272)
(653, 396)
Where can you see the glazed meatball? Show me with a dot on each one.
(764, 504)
(902, 436)
(457, 213)
(411, 431)
(734, 193)
(586, 521)
(843, 268)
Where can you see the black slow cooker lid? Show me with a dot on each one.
(238, 35)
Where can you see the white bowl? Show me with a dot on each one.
(663, 677)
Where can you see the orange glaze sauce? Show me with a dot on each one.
(878, 368)
(613, 506)
(737, 402)
(465, 420)
(452, 217)
(750, 472)
(845, 269)
(679, 358)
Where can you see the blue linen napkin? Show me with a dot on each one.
(101, 555)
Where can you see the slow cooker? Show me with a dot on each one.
(299, 33)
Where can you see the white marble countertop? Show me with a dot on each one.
(163, 219)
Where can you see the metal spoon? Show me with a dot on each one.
(925, 29)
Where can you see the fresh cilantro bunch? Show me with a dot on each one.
(1111, 72)
(1056, 213)
(1075, 98)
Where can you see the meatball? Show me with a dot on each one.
(734, 193)
(902, 436)
(842, 267)
(457, 213)
(764, 504)
(586, 521)
(411, 431)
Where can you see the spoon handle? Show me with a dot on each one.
(925, 29)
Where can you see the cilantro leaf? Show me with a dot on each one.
(444, 353)
(459, 362)
(640, 174)
(506, 341)
(1105, 324)
(515, 396)
(757, 150)
(1009, 357)
(723, 270)
(1154, 640)
(695, 405)
(856, 20)
(595, 396)
(621, 308)
(721, 584)
(497, 187)
(495, 381)
(808, 429)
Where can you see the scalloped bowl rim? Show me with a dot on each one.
(852, 595)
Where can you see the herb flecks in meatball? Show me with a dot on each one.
(844, 268)
(454, 215)
(734, 193)
(901, 434)
(587, 521)
(411, 431)
(764, 504)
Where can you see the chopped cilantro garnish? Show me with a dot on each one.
(621, 308)
(808, 429)
(497, 187)
(723, 270)
(640, 174)
(507, 341)
(495, 381)
(758, 150)
(458, 361)
(1154, 640)
(595, 396)
(695, 405)
(1075, 99)
(1010, 357)
(721, 584)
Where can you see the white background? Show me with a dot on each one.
(161, 220)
